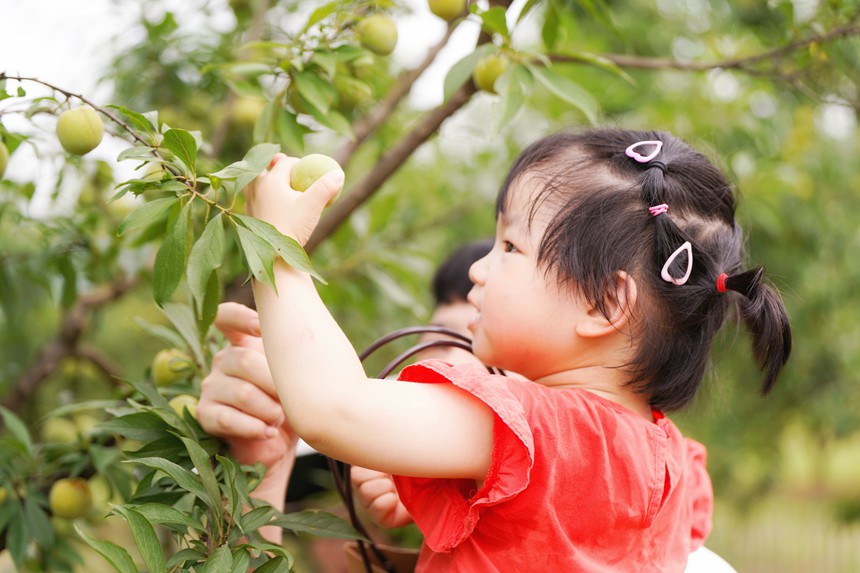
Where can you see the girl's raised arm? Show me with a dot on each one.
(428, 430)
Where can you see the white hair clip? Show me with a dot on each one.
(664, 274)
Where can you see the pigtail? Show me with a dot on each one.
(764, 314)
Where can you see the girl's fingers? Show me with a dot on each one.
(324, 189)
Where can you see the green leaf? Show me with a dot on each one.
(277, 565)
(241, 561)
(184, 478)
(183, 145)
(319, 93)
(139, 152)
(181, 316)
(290, 132)
(256, 518)
(319, 523)
(209, 309)
(140, 426)
(495, 21)
(162, 514)
(567, 90)
(203, 464)
(118, 557)
(207, 254)
(259, 254)
(320, 14)
(333, 120)
(17, 541)
(287, 248)
(219, 561)
(147, 214)
(37, 523)
(18, 429)
(515, 85)
(246, 170)
(145, 538)
(264, 126)
(184, 555)
(171, 257)
(461, 72)
(138, 120)
(69, 292)
(526, 9)
(161, 332)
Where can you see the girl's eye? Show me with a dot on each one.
(508, 247)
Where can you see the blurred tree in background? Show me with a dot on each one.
(767, 90)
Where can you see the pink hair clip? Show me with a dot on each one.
(664, 274)
(636, 156)
(658, 209)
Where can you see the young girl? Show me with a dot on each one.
(616, 260)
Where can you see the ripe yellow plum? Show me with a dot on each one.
(170, 366)
(70, 498)
(487, 71)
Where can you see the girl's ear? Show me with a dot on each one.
(617, 312)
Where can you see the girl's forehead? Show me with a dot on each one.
(526, 202)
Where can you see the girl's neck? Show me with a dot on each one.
(605, 382)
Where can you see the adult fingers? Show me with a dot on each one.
(245, 364)
(237, 322)
(242, 396)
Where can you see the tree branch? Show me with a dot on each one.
(380, 114)
(65, 342)
(745, 63)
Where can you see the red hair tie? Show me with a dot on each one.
(721, 282)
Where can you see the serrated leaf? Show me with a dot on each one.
(246, 170)
(183, 556)
(145, 538)
(162, 514)
(184, 478)
(461, 72)
(183, 145)
(259, 255)
(207, 254)
(287, 248)
(147, 214)
(219, 561)
(171, 258)
(319, 523)
(118, 557)
(140, 426)
(18, 429)
(202, 462)
(567, 90)
(278, 564)
(138, 120)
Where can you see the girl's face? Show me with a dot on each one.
(525, 322)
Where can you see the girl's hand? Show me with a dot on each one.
(295, 214)
(377, 495)
(238, 400)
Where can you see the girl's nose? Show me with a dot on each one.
(478, 270)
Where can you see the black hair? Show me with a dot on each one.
(603, 225)
(451, 282)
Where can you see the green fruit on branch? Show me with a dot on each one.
(310, 168)
(377, 33)
(246, 110)
(183, 401)
(487, 71)
(80, 130)
(61, 430)
(4, 158)
(351, 93)
(70, 498)
(170, 366)
(447, 9)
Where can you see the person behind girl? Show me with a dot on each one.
(616, 260)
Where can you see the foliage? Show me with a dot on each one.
(204, 110)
